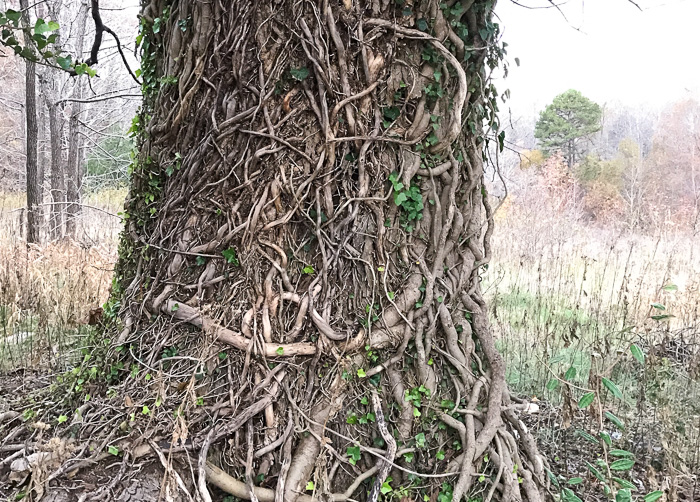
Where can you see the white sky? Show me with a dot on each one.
(619, 54)
(607, 49)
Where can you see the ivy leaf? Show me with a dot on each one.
(588, 437)
(637, 353)
(40, 40)
(595, 472)
(299, 73)
(624, 464)
(586, 400)
(552, 478)
(28, 53)
(569, 496)
(501, 140)
(391, 113)
(279, 351)
(653, 496)
(615, 420)
(386, 488)
(624, 483)
(230, 256)
(354, 453)
(64, 62)
(361, 373)
(400, 198)
(624, 495)
(422, 24)
(113, 450)
(308, 270)
(13, 15)
(42, 27)
(552, 384)
(310, 485)
(62, 419)
(612, 388)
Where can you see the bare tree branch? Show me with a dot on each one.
(100, 27)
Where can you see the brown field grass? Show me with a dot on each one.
(46, 292)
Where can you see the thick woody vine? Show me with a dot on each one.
(297, 306)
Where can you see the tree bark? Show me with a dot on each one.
(306, 229)
(58, 185)
(32, 138)
(50, 82)
(74, 169)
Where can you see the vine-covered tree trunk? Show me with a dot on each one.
(298, 291)
(32, 138)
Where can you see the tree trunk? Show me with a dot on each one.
(74, 169)
(50, 83)
(305, 233)
(43, 159)
(32, 138)
(58, 185)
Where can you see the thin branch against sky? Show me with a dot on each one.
(610, 56)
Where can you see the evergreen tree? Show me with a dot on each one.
(567, 124)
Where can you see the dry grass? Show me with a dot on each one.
(46, 292)
(566, 295)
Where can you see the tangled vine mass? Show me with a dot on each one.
(297, 309)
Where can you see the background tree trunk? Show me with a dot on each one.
(309, 194)
(32, 138)
(58, 185)
(74, 169)
(51, 83)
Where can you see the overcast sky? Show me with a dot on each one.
(607, 49)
